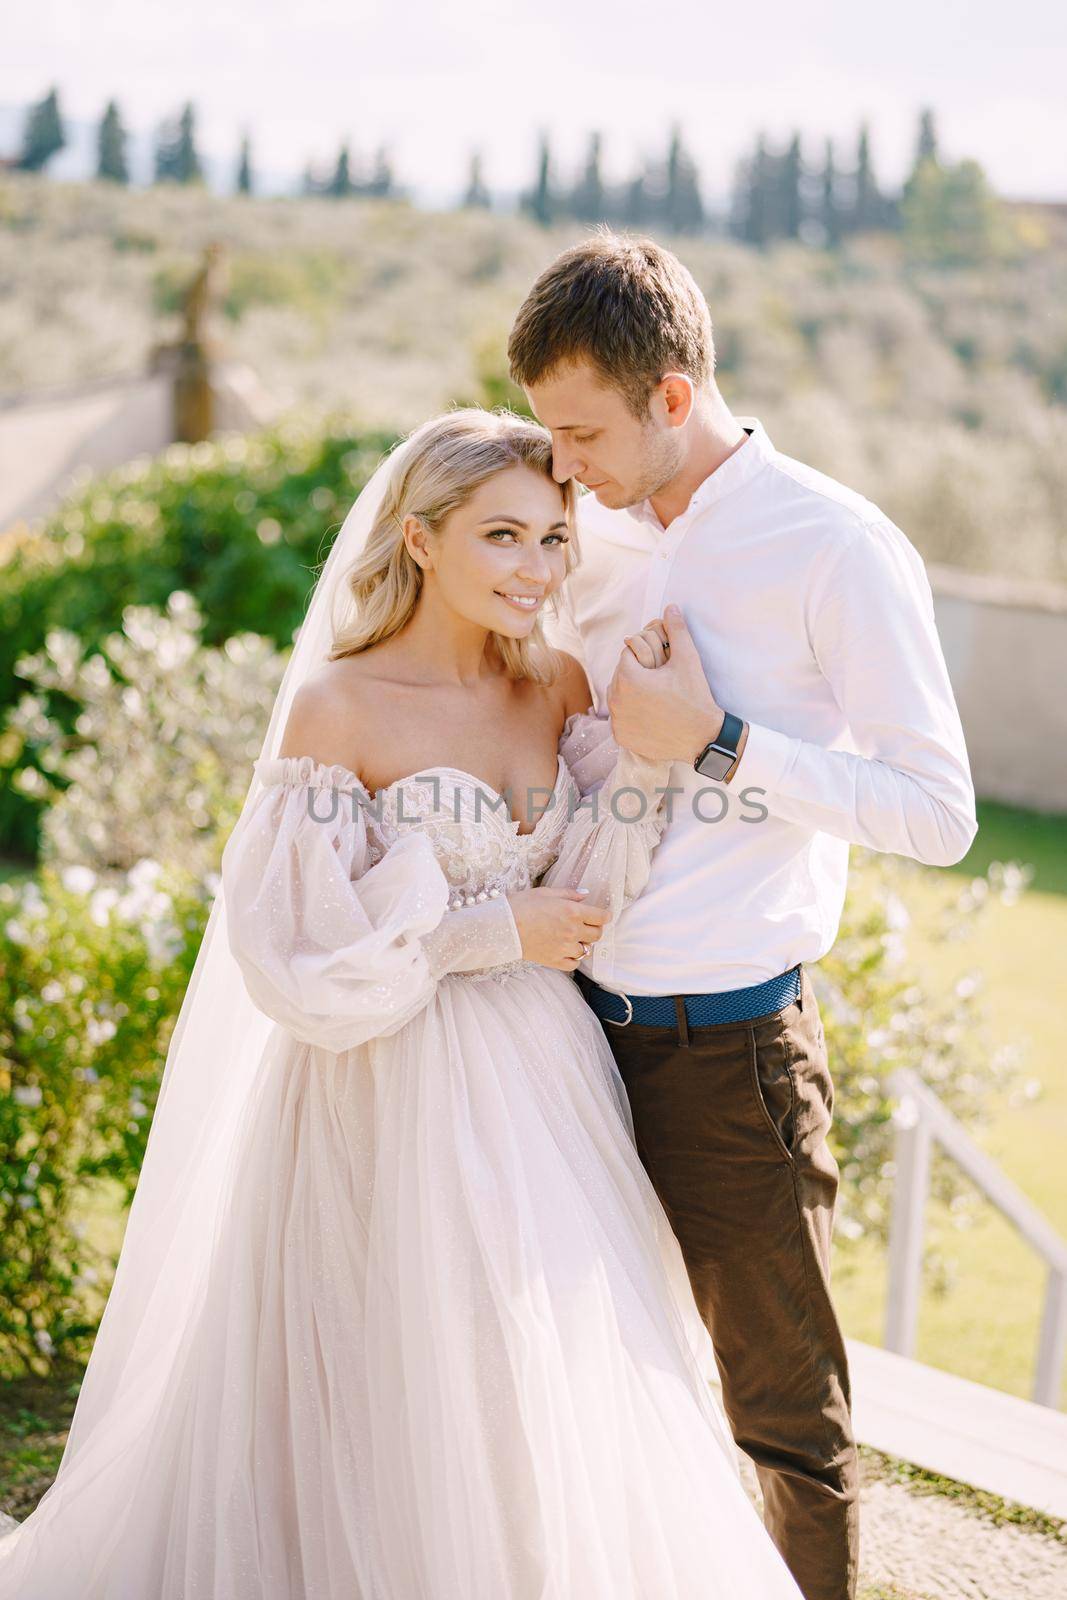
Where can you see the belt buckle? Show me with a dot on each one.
(629, 1009)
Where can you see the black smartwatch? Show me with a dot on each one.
(716, 758)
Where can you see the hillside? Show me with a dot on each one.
(942, 395)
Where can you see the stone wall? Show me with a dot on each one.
(1005, 645)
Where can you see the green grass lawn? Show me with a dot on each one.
(986, 1327)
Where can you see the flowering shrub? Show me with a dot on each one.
(95, 955)
(91, 979)
(159, 758)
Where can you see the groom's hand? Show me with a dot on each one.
(666, 714)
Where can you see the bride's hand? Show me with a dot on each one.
(557, 927)
(650, 646)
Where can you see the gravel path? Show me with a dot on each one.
(930, 1546)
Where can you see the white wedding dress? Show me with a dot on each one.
(448, 1349)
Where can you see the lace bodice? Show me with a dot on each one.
(477, 843)
(346, 909)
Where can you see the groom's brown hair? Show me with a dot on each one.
(627, 306)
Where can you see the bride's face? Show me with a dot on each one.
(496, 559)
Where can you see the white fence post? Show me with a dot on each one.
(906, 1227)
(921, 1118)
(1052, 1345)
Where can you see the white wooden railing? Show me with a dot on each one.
(920, 1120)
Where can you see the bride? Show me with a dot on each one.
(398, 1314)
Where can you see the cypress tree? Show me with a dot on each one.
(166, 152)
(111, 146)
(189, 168)
(541, 200)
(476, 196)
(177, 160)
(43, 134)
(245, 180)
(925, 153)
(829, 214)
(683, 205)
(340, 184)
(926, 145)
(587, 201)
(868, 209)
(637, 204)
(791, 174)
(757, 226)
(381, 184)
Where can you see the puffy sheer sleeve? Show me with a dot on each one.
(609, 839)
(339, 940)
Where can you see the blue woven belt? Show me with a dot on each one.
(701, 1010)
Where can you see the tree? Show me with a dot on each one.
(340, 185)
(951, 217)
(587, 200)
(381, 183)
(43, 135)
(683, 207)
(754, 197)
(541, 201)
(111, 146)
(868, 210)
(245, 180)
(177, 160)
(925, 151)
(790, 176)
(637, 202)
(829, 213)
(926, 145)
(189, 168)
(476, 196)
(587, 197)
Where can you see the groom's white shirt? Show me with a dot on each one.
(813, 617)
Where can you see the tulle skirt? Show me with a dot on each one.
(448, 1348)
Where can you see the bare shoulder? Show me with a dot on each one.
(572, 685)
(332, 715)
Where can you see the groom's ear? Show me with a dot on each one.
(677, 395)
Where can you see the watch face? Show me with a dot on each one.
(715, 764)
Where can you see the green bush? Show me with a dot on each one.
(241, 524)
(91, 981)
(95, 955)
(158, 763)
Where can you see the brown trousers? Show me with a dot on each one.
(731, 1123)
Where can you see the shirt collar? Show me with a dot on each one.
(736, 470)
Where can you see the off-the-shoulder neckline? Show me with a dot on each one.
(334, 775)
(322, 776)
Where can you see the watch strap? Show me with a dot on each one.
(730, 732)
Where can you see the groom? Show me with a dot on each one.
(805, 705)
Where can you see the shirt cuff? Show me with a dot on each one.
(767, 757)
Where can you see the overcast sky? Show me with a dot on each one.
(432, 81)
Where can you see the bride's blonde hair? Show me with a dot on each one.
(449, 457)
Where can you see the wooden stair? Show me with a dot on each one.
(962, 1430)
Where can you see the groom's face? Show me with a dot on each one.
(597, 439)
